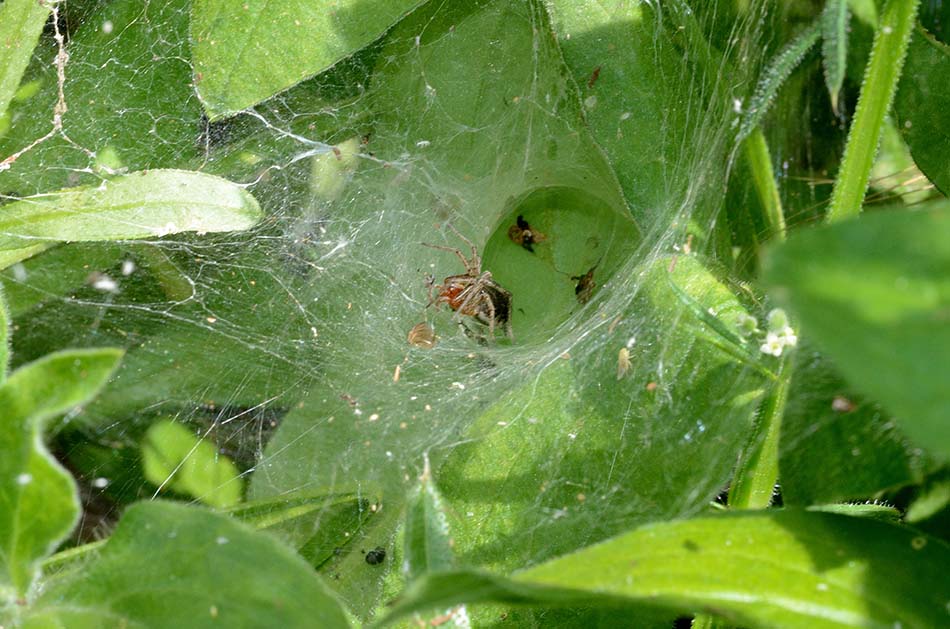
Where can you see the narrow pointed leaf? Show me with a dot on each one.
(140, 205)
(834, 46)
(38, 498)
(428, 542)
(774, 75)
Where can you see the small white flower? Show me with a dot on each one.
(789, 337)
(773, 344)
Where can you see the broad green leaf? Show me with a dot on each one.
(140, 205)
(921, 106)
(874, 294)
(21, 22)
(39, 503)
(246, 52)
(834, 46)
(775, 74)
(756, 569)
(622, 60)
(428, 541)
(170, 565)
(837, 444)
(175, 458)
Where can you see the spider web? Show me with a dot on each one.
(288, 347)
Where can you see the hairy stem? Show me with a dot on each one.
(877, 92)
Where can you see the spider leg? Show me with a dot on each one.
(467, 296)
(476, 261)
(466, 263)
(491, 318)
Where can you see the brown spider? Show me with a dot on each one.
(473, 293)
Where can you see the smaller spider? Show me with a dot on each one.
(473, 293)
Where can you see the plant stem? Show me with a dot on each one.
(763, 178)
(758, 467)
(877, 93)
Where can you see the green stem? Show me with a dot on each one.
(877, 93)
(758, 467)
(763, 178)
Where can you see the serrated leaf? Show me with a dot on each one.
(756, 569)
(246, 52)
(21, 22)
(834, 46)
(140, 205)
(874, 294)
(773, 76)
(169, 565)
(921, 106)
(39, 503)
(174, 457)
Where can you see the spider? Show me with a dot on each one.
(473, 293)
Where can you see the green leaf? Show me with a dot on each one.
(837, 444)
(174, 457)
(877, 92)
(622, 58)
(756, 569)
(428, 542)
(834, 46)
(144, 114)
(774, 75)
(169, 565)
(21, 22)
(875, 294)
(884, 513)
(246, 52)
(933, 498)
(38, 498)
(602, 445)
(921, 106)
(140, 205)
